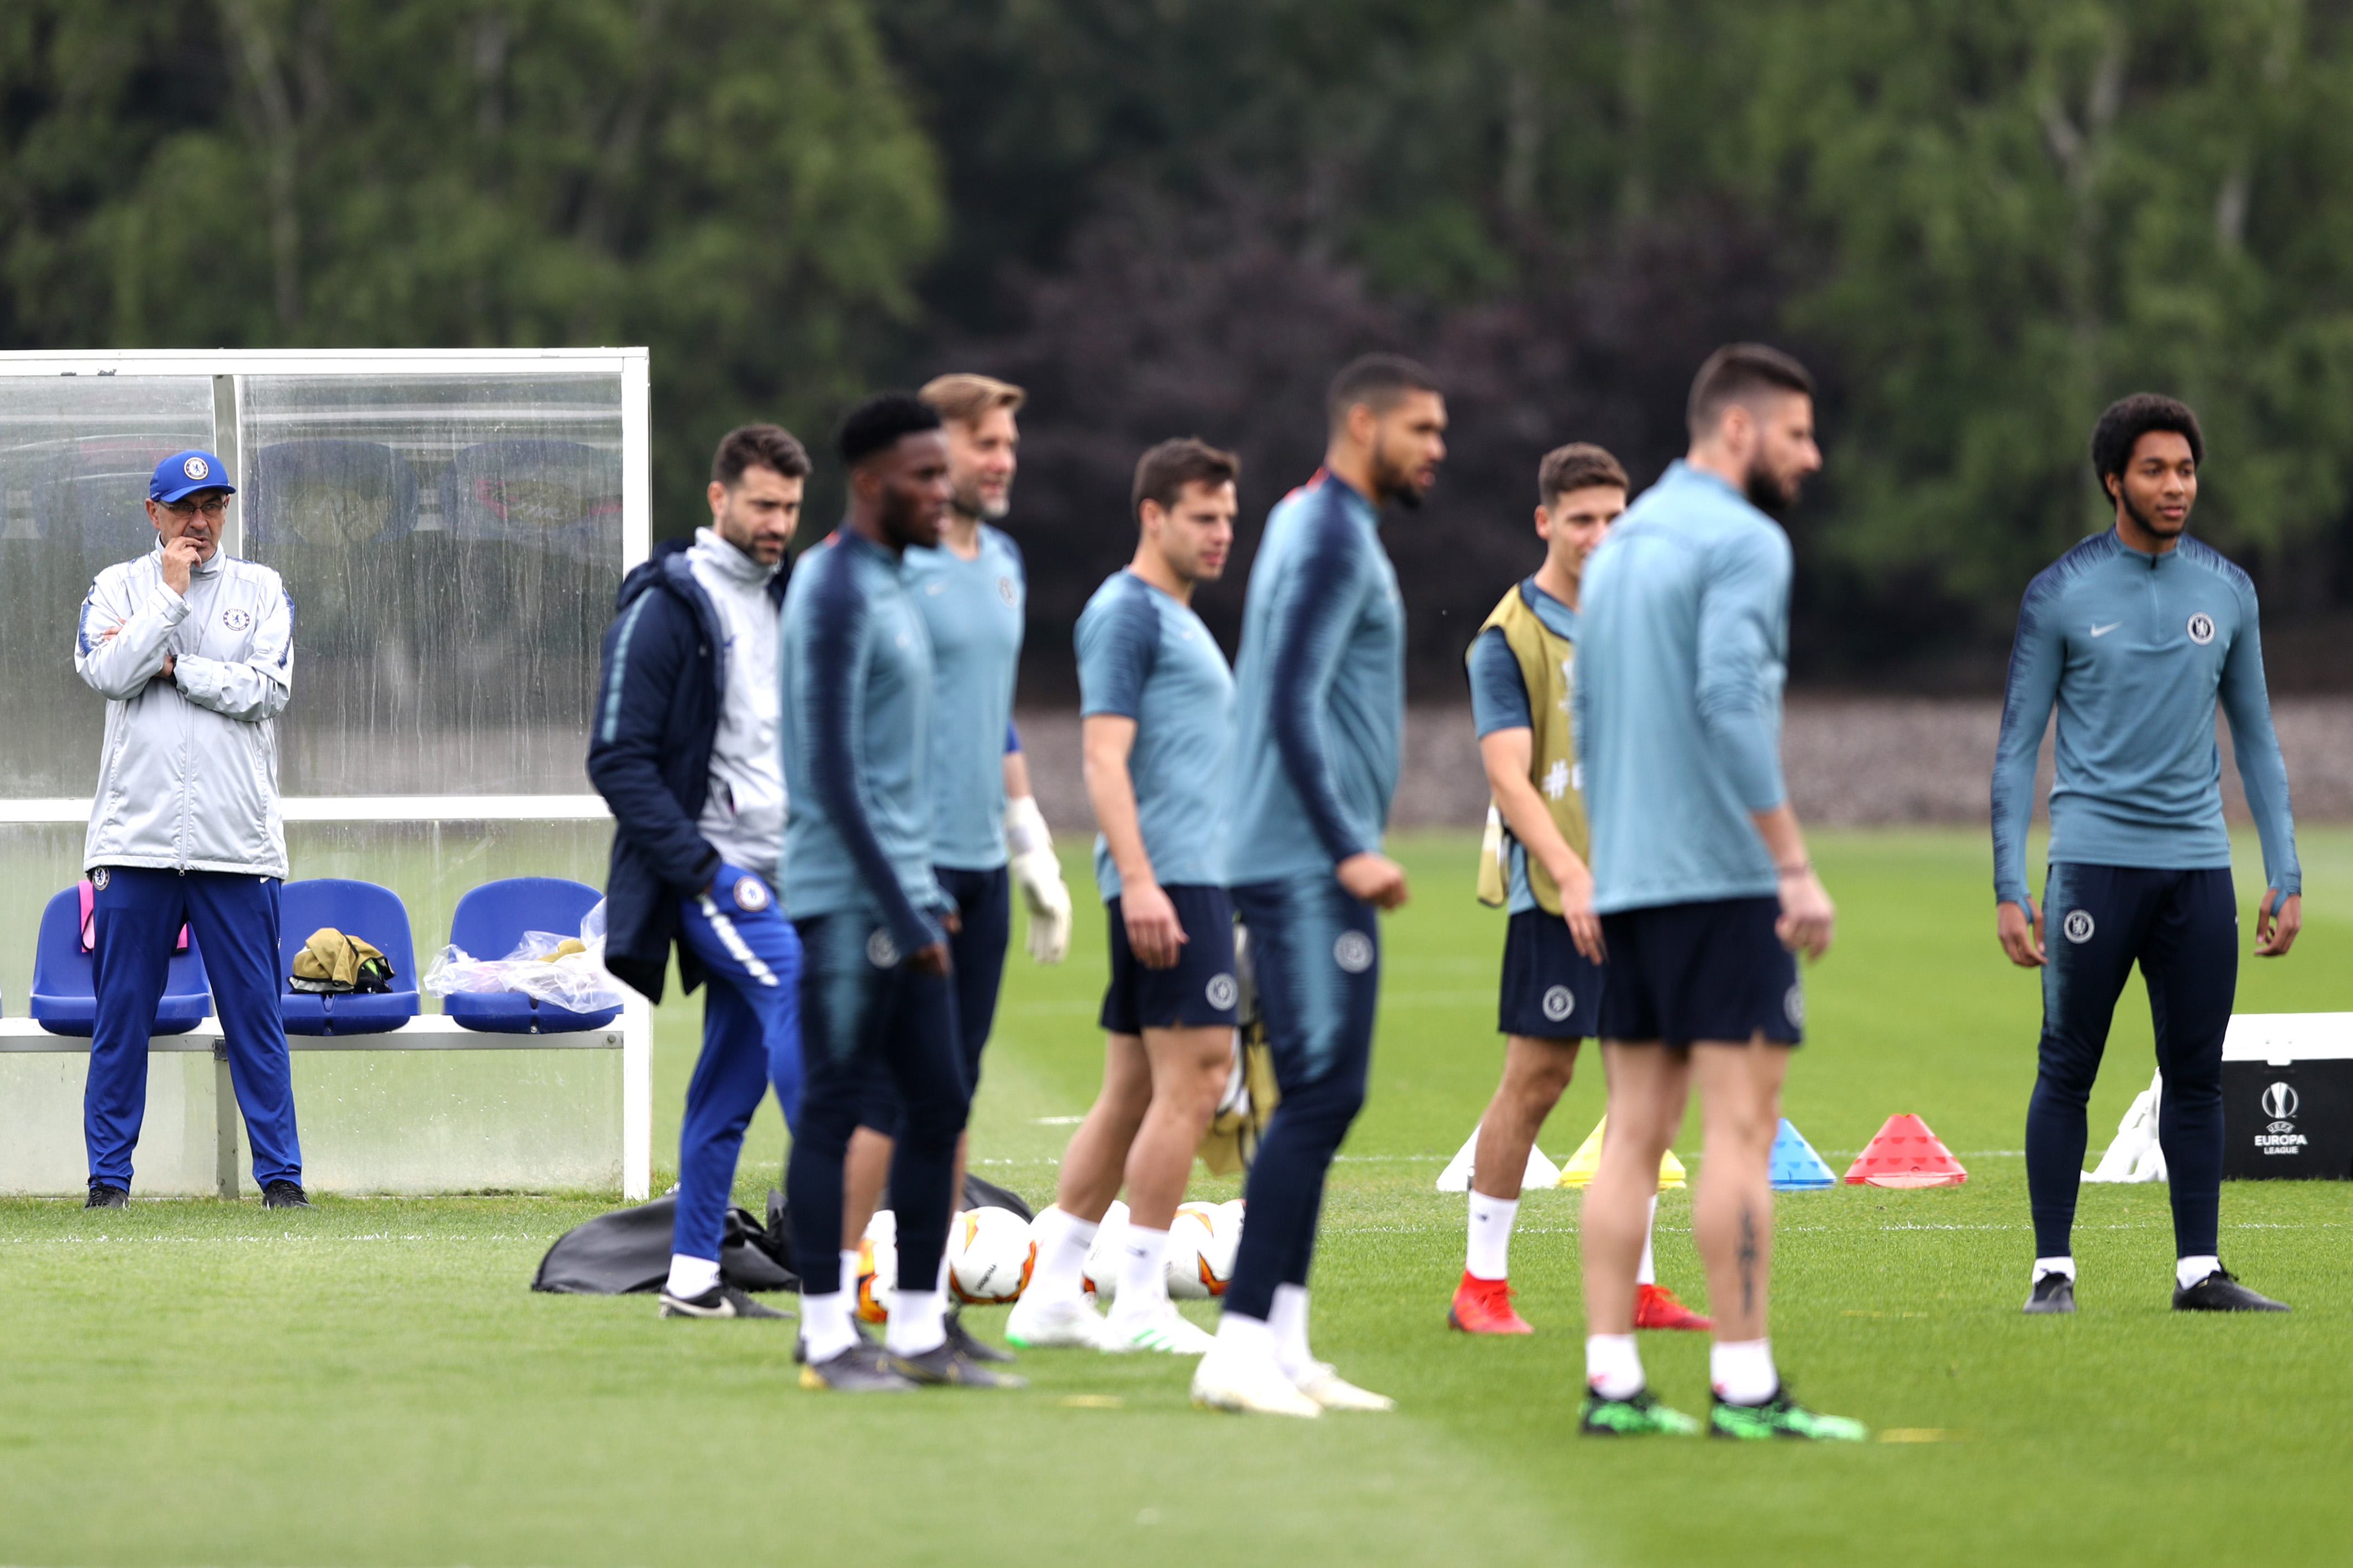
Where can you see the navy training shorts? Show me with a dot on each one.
(1199, 992)
(1711, 971)
(1551, 990)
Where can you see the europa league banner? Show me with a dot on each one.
(2289, 1118)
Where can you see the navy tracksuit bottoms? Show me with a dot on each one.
(1316, 954)
(751, 1039)
(2182, 929)
(136, 917)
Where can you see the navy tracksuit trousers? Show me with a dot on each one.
(1316, 954)
(2182, 929)
(751, 1039)
(135, 919)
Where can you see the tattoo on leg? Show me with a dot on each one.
(1747, 1262)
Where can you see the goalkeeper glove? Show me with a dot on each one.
(1038, 875)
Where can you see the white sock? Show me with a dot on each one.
(918, 1322)
(1742, 1371)
(1648, 1274)
(1063, 1242)
(2065, 1265)
(1240, 1336)
(1142, 1274)
(691, 1276)
(1613, 1367)
(1287, 1320)
(1490, 1236)
(850, 1271)
(2186, 1271)
(825, 1325)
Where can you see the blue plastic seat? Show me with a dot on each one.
(64, 986)
(375, 915)
(489, 922)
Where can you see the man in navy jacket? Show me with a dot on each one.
(685, 748)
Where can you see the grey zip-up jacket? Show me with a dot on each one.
(188, 780)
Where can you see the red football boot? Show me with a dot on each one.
(1485, 1307)
(1655, 1307)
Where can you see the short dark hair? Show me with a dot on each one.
(1377, 380)
(1736, 370)
(875, 423)
(1162, 473)
(758, 447)
(2129, 419)
(1575, 466)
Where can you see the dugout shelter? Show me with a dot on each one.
(452, 526)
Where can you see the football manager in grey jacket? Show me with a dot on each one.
(194, 653)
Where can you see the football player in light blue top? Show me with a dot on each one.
(1156, 700)
(1319, 717)
(876, 1000)
(1700, 879)
(987, 835)
(2133, 634)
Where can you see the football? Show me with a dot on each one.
(990, 1254)
(1202, 1241)
(878, 1266)
(1101, 1275)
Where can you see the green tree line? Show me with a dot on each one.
(1978, 219)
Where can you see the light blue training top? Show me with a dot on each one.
(1143, 656)
(857, 709)
(975, 611)
(1686, 614)
(2134, 650)
(1499, 701)
(1319, 714)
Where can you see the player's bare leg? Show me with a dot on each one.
(1053, 1309)
(1190, 1067)
(1536, 1073)
(1732, 1214)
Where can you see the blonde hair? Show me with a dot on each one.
(967, 399)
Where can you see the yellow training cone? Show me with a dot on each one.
(1588, 1160)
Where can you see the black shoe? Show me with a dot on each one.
(860, 1369)
(2054, 1292)
(2221, 1293)
(973, 1347)
(106, 1195)
(944, 1363)
(719, 1302)
(284, 1194)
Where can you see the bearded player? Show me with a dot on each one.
(1521, 666)
(1319, 719)
(1157, 701)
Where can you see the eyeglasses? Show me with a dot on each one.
(213, 507)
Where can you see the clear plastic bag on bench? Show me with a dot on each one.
(568, 972)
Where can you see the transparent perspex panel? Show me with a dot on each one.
(452, 546)
(75, 455)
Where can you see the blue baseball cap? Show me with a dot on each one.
(184, 473)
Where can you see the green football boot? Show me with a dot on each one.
(1639, 1415)
(1781, 1416)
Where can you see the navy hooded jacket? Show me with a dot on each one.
(659, 700)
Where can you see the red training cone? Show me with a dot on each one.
(1905, 1154)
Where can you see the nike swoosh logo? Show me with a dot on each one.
(2103, 631)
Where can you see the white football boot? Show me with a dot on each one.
(1037, 1323)
(1253, 1384)
(1164, 1329)
(1329, 1390)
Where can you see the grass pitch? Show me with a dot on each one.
(197, 1382)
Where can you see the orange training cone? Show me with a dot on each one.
(1905, 1154)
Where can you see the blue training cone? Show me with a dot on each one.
(1795, 1166)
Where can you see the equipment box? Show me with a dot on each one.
(2287, 1096)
